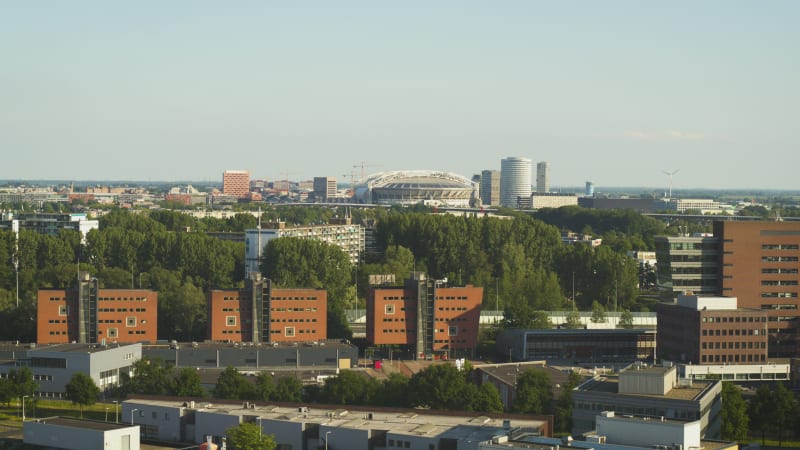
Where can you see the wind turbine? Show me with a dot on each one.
(670, 174)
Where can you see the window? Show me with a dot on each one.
(230, 321)
(112, 332)
(130, 321)
(62, 310)
(452, 330)
(389, 309)
(288, 331)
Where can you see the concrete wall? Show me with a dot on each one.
(646, 433)
(166, 418)
(52, 435)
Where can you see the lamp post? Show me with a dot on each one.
(106, 413)
(326, 439)
(258, 419)
(133, 411)
(116, 410)
(23, 406)
(573, 290)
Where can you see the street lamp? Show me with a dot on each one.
(326, 439)
(23, 406)
(116, 410)
(133, 411)
(573, 290)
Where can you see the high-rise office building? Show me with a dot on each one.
(236, 183)
(760, 267)
(324, 188)
(490, 187)
(542, 177)
(515, 181)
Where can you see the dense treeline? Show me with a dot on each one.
(520, 262)
(622, 229)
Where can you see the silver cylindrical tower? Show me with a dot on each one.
(515, 181)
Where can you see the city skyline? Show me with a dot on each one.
(616, 93)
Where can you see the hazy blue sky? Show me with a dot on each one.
(613, 92)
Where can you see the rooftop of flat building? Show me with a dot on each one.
(84, 424)
(399, 421)
(610, 385)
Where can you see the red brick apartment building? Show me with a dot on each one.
(89, 314)
(427, 315)
(261, 313)
(760, 267)
(711, 330)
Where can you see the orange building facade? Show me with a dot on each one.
(236, 183)
(260, 313)
(760, 267)
(92, 315)
(426, 314)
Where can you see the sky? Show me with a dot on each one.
(613, 92)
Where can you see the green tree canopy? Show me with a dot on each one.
(305, 263)
(248, 436)
(534, 392)
(735, 422)
(232, 384)
(82, 390)
(187, 383)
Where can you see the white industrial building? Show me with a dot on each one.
(78, 434)
(53, 366)
(299, 427)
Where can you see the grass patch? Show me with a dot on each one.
(50, 408)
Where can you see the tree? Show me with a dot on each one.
(288, 389)
(626, 319)
(534, 392)
(82, 390)
(598, 312)
(573, 320)
(440, 386)
(734, 413)
(348, 388)
(248, 436)
(187, 383)
(23, 382)
(265, 387)
(232, 384)
(487, 399)
(760, 410)
(784, 409)
(394, 391)
(6, 391)
(150, 376)
(563, 411)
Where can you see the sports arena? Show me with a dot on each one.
(411, 187)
